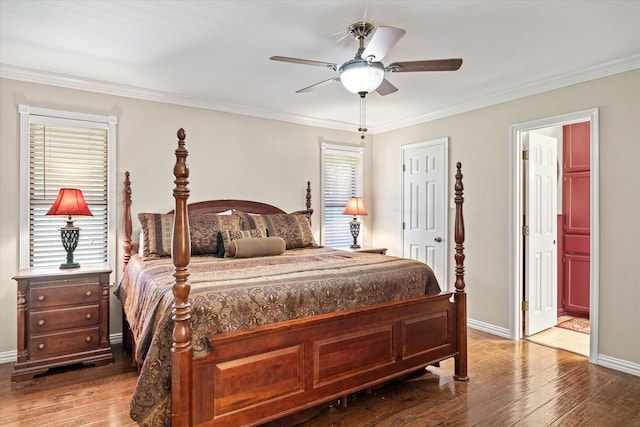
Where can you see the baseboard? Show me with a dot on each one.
(618, 364)
(8, 356)
(489, 328)
(12, 355)
(115, 338)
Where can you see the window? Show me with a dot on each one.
(61, 149)
(341, 167)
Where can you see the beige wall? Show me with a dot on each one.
(243, 157)
(231, 156)
(480, 140)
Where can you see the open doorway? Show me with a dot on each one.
(539, 299)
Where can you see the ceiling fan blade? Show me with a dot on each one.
(383, 39)
(386, 88)
(426, 65)
(304, 61)
(317, 85)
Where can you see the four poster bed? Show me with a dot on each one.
(277, 325)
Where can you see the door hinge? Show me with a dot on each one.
(525, 305)
(525, 230)
(525, 155)
(404, 168)
(403, 225)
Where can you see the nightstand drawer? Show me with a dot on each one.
(67, 292)
(63, 343)
(75, 317)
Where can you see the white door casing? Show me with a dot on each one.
(541, 266)
(424, 205)
(516, 250)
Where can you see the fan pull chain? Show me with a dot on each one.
(363, 115)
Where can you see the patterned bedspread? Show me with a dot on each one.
(234, 294)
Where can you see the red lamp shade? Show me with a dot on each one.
(355, 207)
(70, 202)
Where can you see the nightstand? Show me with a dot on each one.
(63, 318)
(368, 249)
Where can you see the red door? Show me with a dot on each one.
(576, 236)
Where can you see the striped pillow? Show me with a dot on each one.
(156, 233)
(294, 228)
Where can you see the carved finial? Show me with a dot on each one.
(181, 134)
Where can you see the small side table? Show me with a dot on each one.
(63, 318)
(368, 249)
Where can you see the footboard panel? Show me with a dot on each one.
(251, 377)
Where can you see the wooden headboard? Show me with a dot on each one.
(204, 207)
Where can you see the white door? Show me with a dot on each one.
(424, 201)
(541, 261)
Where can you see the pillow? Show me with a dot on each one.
(249, 248)
(204, 230)
(293, 228)
(141, 245)
(226, 236)
(306, 212)
(156, 232)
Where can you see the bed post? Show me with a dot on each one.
(181, 351)
(460, 369)
(309, 199)
(126, 219)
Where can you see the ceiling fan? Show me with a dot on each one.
(365, 73)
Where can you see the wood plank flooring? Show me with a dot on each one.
(512, 383)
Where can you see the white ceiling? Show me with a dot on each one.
(215, 54)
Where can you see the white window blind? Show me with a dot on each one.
(75, 153)
(342, 178)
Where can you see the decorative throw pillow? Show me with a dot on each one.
(250, 248)
(204, 230)
(306, 212)
(156, 232)
(226, 236)
(293, 228)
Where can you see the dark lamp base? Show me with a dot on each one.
(69, 265)
(355, 246)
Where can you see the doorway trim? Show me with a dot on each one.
(516, 249)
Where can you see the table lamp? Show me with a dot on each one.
(355, 207)
(70, 201)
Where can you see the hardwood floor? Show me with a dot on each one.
(512, 383)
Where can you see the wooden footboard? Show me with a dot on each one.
(255, 376)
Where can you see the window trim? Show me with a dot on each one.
(26, 112)
(338, 148)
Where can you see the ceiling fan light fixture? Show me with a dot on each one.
(359, 75)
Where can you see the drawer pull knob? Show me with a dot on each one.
(88, 293)
(88, 316)
(41, 346)
(41, 322)
(41, 297)
(88, 339)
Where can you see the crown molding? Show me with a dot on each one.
(71, 82)
(109, 88)
(603, 70)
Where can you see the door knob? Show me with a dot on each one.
(438, 239)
